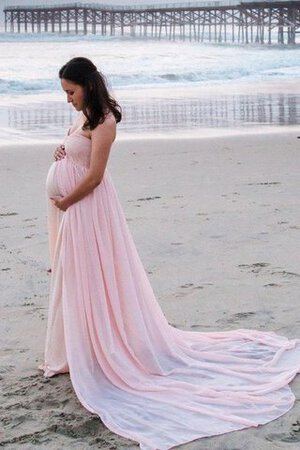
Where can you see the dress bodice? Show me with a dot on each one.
(78, 149)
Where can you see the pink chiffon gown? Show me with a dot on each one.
(148, 381)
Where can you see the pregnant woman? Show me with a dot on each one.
(147, 380)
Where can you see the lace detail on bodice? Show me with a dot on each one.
(78, 149)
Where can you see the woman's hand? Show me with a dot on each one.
(60, 203)
(59, 152)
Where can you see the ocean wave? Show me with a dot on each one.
(198, 77)
(27, 86)
(30, 62)
(125, 81)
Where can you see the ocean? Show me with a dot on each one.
(163, 86)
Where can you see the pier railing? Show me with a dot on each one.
(132, 6)
(255, 21)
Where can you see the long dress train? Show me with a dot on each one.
(147, 380)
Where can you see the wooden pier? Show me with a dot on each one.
(263, 22)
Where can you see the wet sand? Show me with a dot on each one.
(216, 222)
(197, 111)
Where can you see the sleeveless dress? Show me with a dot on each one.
(147, 380)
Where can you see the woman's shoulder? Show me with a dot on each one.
(110, 118)
(107, 126)
(109, 122)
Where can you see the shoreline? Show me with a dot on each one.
(211, 110)
(170, 135)
(216, 223)
(167, 134)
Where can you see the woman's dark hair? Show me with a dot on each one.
(97, 100)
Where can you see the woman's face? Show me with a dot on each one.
(75, 93)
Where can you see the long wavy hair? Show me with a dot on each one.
(97, 100)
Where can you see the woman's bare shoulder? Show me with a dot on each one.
(110, 118)
(107, 127)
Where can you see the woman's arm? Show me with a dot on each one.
(102, 138)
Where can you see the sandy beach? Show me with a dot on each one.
(216, 221)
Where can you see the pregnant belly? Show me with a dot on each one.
(63, 176)
(52, 186)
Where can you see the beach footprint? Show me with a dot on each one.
(148, 198)
(235, 318)
(255, 267)
(258, 317)
(292, 436)
(8, 214)
(264, 183)
(286, 274)
(188, 287)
